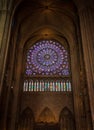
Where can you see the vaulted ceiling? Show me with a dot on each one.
(45, 19)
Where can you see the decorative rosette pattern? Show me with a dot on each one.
(47, 57)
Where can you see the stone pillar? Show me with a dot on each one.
(16, 89)
(75, 67)
(86, 16)
(10, 78)
(5, 15)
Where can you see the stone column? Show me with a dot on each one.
(5, 15)
(75, 67)
(86, 16)
(10, 78)
(16, 89)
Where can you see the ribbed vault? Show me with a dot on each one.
(44, 19)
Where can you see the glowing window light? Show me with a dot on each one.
(47, 57)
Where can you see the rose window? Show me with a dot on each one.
(47, 57)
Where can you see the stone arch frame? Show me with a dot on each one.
(45, 114)
(71, 49)
(66, 119)
(74, 82)
(27, 112)
(26, 119)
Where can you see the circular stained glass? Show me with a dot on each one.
(47, 57)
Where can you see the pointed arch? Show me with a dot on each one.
(66, 120)
(26, 120)
(65, 111)
(27, 113)
(46, 116)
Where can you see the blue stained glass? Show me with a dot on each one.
(47, 58)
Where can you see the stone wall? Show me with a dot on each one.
(55, 101)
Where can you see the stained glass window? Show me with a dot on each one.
(47, 85)
(50, 58)
(47, 57)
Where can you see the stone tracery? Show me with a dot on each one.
(47, 57)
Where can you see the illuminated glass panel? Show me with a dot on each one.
(47, 57)
(44, 85)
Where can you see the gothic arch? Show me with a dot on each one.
(26, 120)
(66, 120)
(19, 54)
(47, 116)
(27, 112)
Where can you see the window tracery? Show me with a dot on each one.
(47, 58)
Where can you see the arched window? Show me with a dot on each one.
(47, 67)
